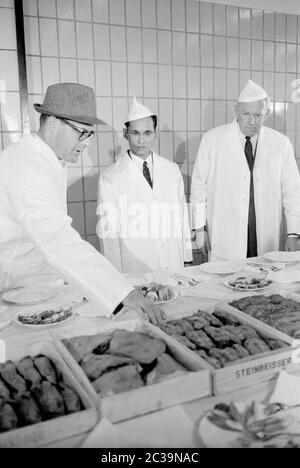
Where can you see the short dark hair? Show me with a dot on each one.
(153, 117)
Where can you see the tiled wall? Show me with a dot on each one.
(184, 59)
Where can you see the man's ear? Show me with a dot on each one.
(125, 133)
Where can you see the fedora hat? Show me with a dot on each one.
(70, 101)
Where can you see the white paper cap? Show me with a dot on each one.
(138, 111)
(252, 92)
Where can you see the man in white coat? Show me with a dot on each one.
(244, 174)
(143, 221)
(37, 241)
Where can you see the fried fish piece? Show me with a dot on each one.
(182, 324)
(274, 344)
(200, 339)
(139, 346)
(27, 409)
(236, 334)
(9, 374)
(71, 398)
(226, 318)
(171, 329)
(79, 346)
(221, 337)
(224, 355)
(26, 368)
(248, 331)
(256, 346)
(97, 365)
(49, 400)
(242, 352)
(119, 380)
(197, 321)
(8, 418)
(211, 360)
(185, 341)
(46, 368)
(211, 318)
(4, 392)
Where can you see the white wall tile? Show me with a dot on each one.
(207, 83)
(86, 73)
(166, 145)
(120, 111)
(65, 9)
(75, 211)
(104, 111)
(291, 57)
(219, 84)
(206, 18)
(179, 82)
(268, 83)
(232, 84)
(11, 113)
(106, 148)
(232, 52)
(103, 78)
(290, 117)
(280, 86)
(232, 21)
(119, 79)
(48, 33)
(120, 144)
(163, 14)
(100, 11)
(280, 27)
(280, 56)
(165, 120)
(90, 156)
(67, 42)
(219, 12)
(90, 217)
(91, 176)
(164, 49)
(133, 12)
(32, 40)
(118, 50)
(257, 24)
(149, 13)
(207, 115)
(219, 51)
(207, 51)
(193, 116)
(291, 28)
(135, 79)
(192, 16)
(85, 46)
(220, 114)
(7, 29)
(193, 82)
(102, 41)
(30, 7)
(245, 54)
(75, 185)
(289, 82)
(150, 80)
(34, 75)
(149, 46)
(180, 114)
(180, 147)
(68, 70)
(257, 54)
(47, 8)
(179, 48)
(193, 145)
(245, 22)
(178, 15)
(50, 72)
(116, 12)
(134, 45)
(83, 10)
(165, 81)
(193, 49)
(268, 25)
(9, 70)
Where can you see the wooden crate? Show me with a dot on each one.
(46, 432)
(153, 397)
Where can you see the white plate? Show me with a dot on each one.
(236, 288)
(281, 256)
(40, 309)
(28, 295)
(219, 268)
(267, 266)
(175, 294)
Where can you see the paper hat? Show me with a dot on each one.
(252, 92)
(138, 111)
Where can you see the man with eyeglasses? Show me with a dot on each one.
(143, 222)
(37, 241)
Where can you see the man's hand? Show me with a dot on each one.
(292, 244)
(136, 301)
(202, 241)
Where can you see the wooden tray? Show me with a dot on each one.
(56, 429)
(152, 397)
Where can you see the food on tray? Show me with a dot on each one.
(219, 338)
(46, 317)
(275, 310)
(249, 282)
(156, 292)
(129, 360)
(31, 391)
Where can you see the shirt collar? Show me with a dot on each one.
(253, 139)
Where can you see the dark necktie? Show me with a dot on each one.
(252, 239)
(146, 173)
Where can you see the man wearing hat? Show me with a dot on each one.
(143, 222)
(37, 241)
(244, 174)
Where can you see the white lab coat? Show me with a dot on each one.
(36, 237)
(220, 190)
(134, 219)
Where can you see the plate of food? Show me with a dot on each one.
(44, 317)
(27, 296)
(219, 268)
(158, 293)
(281, 256)
(248, 283)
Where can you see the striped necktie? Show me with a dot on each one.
(146, 173)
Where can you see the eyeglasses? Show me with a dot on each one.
(84, 134)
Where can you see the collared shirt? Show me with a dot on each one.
(253, 140)
(139, 162)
